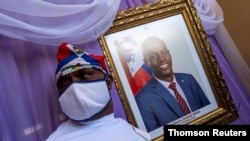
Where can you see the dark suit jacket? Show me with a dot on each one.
(158, 107)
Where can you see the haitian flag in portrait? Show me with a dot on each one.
(131, 58)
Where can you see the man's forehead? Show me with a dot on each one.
(155, 49)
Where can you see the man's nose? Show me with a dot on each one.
(160, 56)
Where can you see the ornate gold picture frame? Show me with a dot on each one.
(178, 24)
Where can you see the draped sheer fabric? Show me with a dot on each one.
(29, 40)
(212, 18)
(210, 13)
(232, 54)
(52, 23)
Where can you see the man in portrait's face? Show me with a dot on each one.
(158, 58)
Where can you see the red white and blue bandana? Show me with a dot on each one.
(71, 58)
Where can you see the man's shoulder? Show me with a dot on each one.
(148, 85)
(183, 75)
(59, 131)
(147, 89)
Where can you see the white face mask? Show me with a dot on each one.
(81, 101)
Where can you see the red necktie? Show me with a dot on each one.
(180, 100)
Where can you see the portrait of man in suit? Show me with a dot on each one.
(168, 95)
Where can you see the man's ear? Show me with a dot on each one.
(110, 81)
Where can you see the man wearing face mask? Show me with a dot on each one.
(83, 83)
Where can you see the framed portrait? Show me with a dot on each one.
(177, 24)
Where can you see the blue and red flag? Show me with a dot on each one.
(137, 73)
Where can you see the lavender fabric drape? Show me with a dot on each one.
(210, 13)
(212, 17)
(238, 93)
(51, 23)
(28, 96)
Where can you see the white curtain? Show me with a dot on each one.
(210, 13)
(212, 18)
(51, 23)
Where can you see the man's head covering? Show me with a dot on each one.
(71, 58)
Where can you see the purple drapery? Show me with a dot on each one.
(238, 93)
(28, 97)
